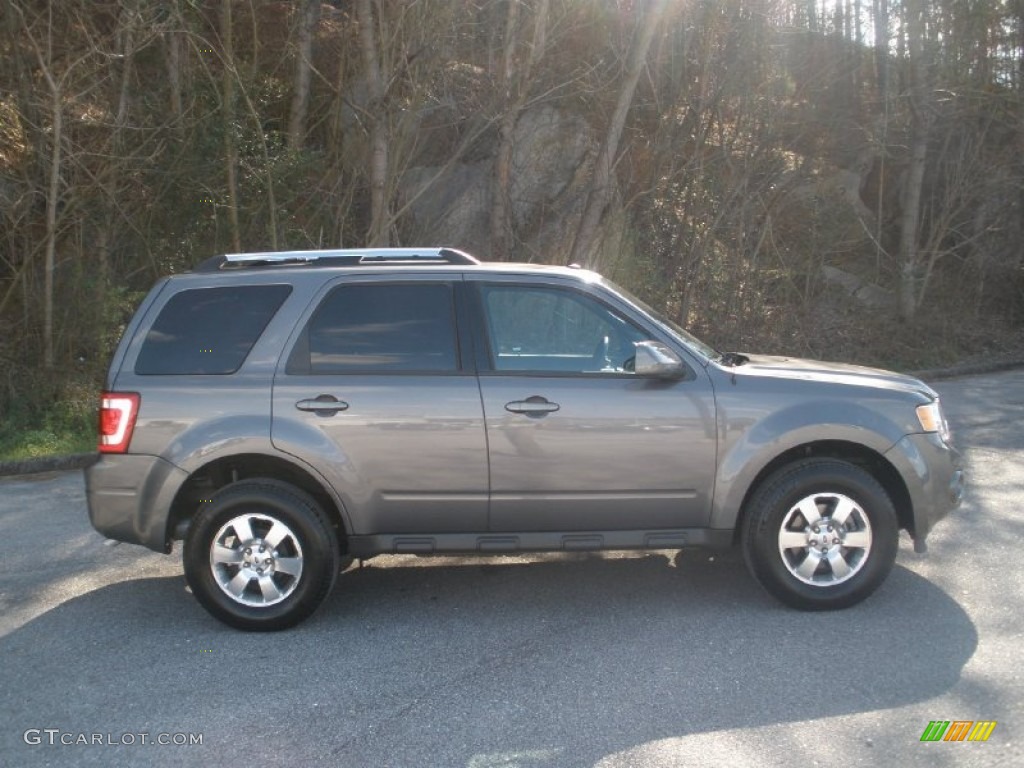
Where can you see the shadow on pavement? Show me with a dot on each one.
(463, 663)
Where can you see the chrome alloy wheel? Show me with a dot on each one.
(256, 560)
(825, 539)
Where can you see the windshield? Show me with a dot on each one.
(684, 336)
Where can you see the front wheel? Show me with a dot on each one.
(261, 555)
(820, 534)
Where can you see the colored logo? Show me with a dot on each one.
(958, 730)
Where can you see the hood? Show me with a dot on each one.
(840, 373)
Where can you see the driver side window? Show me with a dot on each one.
(551, 330)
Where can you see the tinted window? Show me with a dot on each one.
(550, 329)
(408, 327)
(209, 330)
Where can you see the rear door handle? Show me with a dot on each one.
(532, 406)
(322, 405)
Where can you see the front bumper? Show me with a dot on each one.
(129, 498)
(934, 475)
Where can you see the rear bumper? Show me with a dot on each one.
(129, 497)
(934, 475)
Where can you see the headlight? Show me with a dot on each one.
(932, 420)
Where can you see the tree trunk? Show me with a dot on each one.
(501, 204)
(230, 149)
(812, 15)
(880, 14)
(303, 74)
(910, 260)
(173, 41)
(52, 195)
(601, 186)
(112, 173)
(515, 88)
(336, 152)
(127, 59)
(378, 234)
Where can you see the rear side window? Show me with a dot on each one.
(380, 328)
(208, 330)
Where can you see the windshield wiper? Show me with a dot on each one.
(733, 359)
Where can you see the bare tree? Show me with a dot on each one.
(920, 128)
(379, 231)
(230, 147)
(601, 184)
(514, 84)
(880, 14)
(309, 14)
(175, 65)
(57, 86)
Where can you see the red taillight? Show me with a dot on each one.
(117, 420)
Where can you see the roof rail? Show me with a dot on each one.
(350, 257)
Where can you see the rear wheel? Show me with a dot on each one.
(820, 534)
(261, 555)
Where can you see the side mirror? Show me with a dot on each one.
(658, 361)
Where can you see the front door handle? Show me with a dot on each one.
(322, 405)
(532, 406)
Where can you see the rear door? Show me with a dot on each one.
(379, 395)
(577, 442)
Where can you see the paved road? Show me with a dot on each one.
(646, 660)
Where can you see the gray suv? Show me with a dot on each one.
(285, 413)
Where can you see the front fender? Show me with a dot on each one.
(749, 443)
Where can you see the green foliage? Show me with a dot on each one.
(55, 419)
(53, 438)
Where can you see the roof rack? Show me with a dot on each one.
(351, 257)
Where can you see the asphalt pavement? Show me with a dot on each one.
(619, 660)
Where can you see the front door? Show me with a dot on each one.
(577, 442)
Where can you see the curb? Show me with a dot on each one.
(47, 464)
(83, 460)
(969, 369)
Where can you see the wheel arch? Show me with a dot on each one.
(857, 454)
(224, 470)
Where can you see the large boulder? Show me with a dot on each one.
(452, 204)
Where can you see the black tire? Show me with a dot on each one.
(831, 563)
(254, 588)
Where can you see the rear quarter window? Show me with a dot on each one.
(208, 330)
